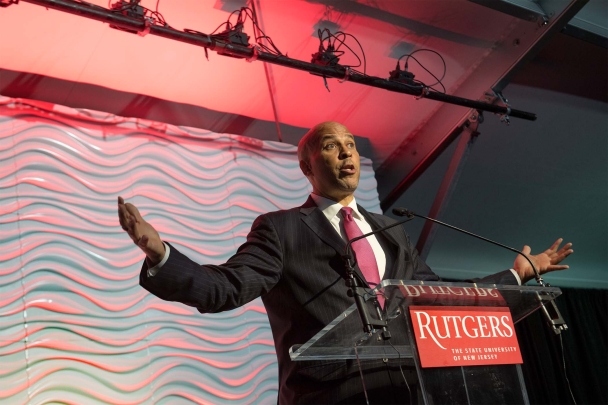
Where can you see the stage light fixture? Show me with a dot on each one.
(325, 57)
(6, 3)
(128, 8)
(402, 76)
(235, 35)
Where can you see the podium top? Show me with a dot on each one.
(344, 338)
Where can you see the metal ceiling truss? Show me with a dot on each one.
(423, 145)
(144, 27)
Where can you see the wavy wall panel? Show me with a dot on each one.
(75, 327)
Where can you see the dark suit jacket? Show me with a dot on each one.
(292, 259)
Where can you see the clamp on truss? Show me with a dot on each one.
(497, 98)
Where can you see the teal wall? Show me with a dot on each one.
(527, 183)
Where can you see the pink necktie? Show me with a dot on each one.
(363, 251)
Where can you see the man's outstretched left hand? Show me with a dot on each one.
(547, 261)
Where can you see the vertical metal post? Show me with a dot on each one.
(465, 143)
(268, 73)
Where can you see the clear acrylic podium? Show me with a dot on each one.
(344, 338)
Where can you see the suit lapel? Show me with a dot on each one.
(314, 218)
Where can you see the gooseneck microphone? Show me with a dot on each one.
(357, 284)
(550, 310)
(404, 212)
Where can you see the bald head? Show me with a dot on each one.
(310, 141)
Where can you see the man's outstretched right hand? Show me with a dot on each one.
(141, 232)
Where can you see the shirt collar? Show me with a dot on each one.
(330, 208)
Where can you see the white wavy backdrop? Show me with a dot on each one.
(75, 327)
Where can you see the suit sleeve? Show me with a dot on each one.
(503, 277)
(250, 273)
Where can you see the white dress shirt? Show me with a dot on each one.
(152, 271)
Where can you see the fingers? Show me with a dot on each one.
(526, 250)
(555, 245)
(127, 214)
(132, 210)
(561, 254)
(566, 250)
(555, 267)
(123, 214)
(557, 254)
(128, 221)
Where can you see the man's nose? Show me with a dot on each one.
(346, 153)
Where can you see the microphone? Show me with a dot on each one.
(554, 317)
(404, 212)
(355, 283)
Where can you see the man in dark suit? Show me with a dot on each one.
(292, 259)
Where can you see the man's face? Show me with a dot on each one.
(333, 167)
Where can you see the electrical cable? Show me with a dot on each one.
(439, 81)
(256, 27)
(561, 342)
(332, 49)
(401, 369)
(360, 46)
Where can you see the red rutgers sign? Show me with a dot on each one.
(464, 336)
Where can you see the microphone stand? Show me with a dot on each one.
(357, 285)
(410, 214)
(552, 314)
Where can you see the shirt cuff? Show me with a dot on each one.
(512, 271)
(152, 271)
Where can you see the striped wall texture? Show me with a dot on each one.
(75, 327)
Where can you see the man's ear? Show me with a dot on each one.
(305, 167)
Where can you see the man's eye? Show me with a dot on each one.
(330, 146)
(351, 145)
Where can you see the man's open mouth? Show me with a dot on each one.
(348, 169)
